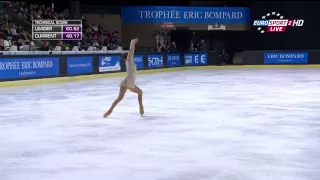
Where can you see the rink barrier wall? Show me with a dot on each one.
(70, 66)
(27, 67)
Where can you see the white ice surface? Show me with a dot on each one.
(248, 124)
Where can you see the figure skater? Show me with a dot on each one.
(129, 81)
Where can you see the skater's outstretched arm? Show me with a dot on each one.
(132, 49)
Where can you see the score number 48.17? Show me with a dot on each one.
(73, 36)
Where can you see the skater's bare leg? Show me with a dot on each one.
(122, 92)
(132, 49)
(137, 90)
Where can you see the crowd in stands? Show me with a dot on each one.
(194, 46)
(10, 33)
(95, 37)
(164, 43)
(164, 47)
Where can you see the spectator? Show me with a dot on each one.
(80, 46)
(195, 47)
(201, 46)
(95, 43)
(2, 48)
(19, 42)
(173, 47)
(191, 48)
(45, 47)
(13, 31)
(109, 46)
(19, 30)
(223, 58)
(5, 30)
(163, 48)
(101, 39)
(23, 36)
(3, 18)
(60, 43)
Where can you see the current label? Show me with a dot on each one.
(46, 36)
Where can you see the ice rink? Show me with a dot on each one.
(214, 124)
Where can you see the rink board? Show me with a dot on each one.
(94, 76)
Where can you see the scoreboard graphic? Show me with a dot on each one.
(57, 30)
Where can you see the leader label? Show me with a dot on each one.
(43, 28)
(46, 28)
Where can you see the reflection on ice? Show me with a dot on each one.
(199, 125)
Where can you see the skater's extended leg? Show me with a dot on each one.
(137, 90)
(132, 49)
(122, 92)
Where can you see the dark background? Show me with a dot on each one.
(296, 38)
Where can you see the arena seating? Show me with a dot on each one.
(94, 36)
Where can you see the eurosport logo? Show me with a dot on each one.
(155, 61)
(195, 59)
(275, 22)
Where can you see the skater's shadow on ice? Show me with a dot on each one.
(135, 116)
(153, 117)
